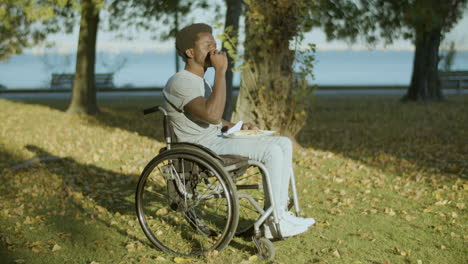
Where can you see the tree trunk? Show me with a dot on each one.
(269, 96)
(84, 90)
(244, 106)
(176, 24)
(425, 84)
(233, 12)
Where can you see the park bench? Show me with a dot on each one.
(65, 81)
(454, 79)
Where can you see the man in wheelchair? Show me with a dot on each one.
(195, 110)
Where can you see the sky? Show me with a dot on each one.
(142, 42)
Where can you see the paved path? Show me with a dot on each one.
(117, 94)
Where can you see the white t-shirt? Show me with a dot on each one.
(180, 89)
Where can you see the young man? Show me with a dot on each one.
(195, 112)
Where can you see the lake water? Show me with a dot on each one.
(152, 69)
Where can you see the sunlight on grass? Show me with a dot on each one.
(385, 181)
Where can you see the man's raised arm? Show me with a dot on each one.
(211, 109)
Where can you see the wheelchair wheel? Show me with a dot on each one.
(248, 184)
(186, 204)
(266, 250)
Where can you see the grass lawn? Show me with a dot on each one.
(386, 182)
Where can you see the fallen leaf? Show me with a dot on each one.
(401, 252)
(56, 248)
(181, 260)
(427, 210)
(36, 249)
(101, 209)
(336, 253)
(389, 211)
(28, 220)
(161, 211)
(253, 258)
(160, 259)
(444, 202)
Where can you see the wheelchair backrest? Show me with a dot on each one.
(169, 134)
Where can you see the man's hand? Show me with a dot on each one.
(219, 60)
(249, 126)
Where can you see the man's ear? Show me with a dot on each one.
(189, 53)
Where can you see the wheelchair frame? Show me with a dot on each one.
(230, 164)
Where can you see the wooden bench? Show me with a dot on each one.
(65, 81)
(454, 79)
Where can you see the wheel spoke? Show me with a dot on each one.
(169, 195)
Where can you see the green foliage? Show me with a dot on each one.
(26, 23)
(231, 44)
(148, 15)
(384, 19)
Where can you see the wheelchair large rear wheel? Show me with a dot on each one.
(186, 204)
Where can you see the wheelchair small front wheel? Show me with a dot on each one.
(186, 204)
(266, 250)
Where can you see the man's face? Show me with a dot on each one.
(203, 46)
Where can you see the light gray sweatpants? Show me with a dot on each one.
(274, 152)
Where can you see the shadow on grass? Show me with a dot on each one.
(6, 159)
(150, 126)
(123, 113)
(110, 190)
(391, 135)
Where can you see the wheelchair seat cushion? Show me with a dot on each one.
(232, 159)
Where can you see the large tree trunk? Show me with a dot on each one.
(269, 95)
(84, 90)
(425, 85)
(233, 12)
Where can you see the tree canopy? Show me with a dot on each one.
(424, 22)
(384, 20)
(25, 23)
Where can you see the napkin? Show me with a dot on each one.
(236, 127)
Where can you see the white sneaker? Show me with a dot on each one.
(288, 216)
(288, 229)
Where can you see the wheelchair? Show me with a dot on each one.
(190, 201)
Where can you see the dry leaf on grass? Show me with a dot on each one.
(180, 260)
(56, 248)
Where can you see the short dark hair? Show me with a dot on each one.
(186, 37)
